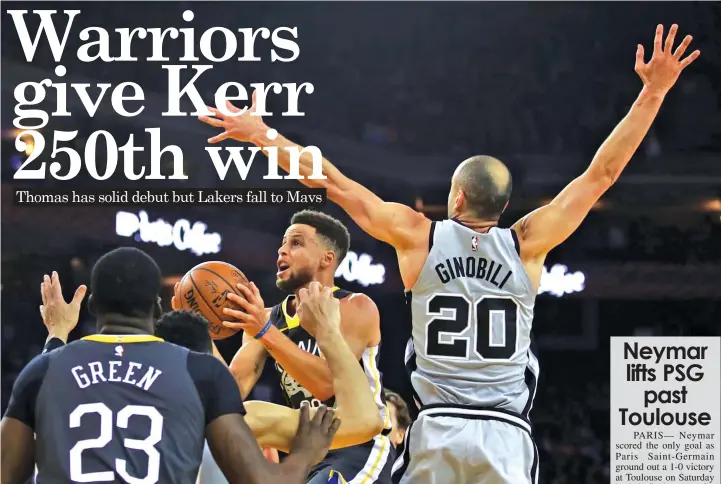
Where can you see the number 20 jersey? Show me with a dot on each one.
(472, 310)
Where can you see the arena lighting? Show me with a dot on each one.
(29, 145)
(558, 281)
(360, 269)
(11, 134)
(179, 234)
(711, 205)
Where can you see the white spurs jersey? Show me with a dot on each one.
(472, 310)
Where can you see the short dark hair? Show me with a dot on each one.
(186, 329)
(126, 281)
(331, 230)
(402, 414)
(486, 183)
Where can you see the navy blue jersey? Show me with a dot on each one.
(366, 463)
(293, 391)
(122, 409)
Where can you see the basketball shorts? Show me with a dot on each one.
(467, 445)
(361, 464)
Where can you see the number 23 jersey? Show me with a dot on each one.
(472, 310)
(121, 409)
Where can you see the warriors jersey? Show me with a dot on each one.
(127, 408)
(472, 310)
(293, 391)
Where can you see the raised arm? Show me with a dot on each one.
(17, 431)
(274, 425)
(545, 228)
(393, 223)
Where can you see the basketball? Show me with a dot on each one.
(204, 290)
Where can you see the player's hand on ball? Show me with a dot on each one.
(240, 127)
(662, 71)
(314, 436)
(252, 318)
(59, 317)
(318, 310)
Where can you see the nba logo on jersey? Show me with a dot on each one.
(474, 243)
(119, 350)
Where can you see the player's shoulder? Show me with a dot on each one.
(357, 305)
(197, 364)
(33, 374)
(215, 385)
(40, 363)
(411, 217)
(356, 300)
(64, 350)
(442, 230)
(203, 366)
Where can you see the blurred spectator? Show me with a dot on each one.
(400, 418)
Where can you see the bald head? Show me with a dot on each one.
(486, 185)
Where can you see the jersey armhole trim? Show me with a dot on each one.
(431, 235)
(526, 277)
(516, 243)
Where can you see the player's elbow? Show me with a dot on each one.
(375, 426)
(604, 177)
(366, 421)
(608, 179)
(357, 429)
(369, 426)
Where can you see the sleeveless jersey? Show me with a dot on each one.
(293, 392)
(121, 408)
(472, 310)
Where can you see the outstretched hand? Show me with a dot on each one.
(59, 317)
(240, 124)
(661, 72)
